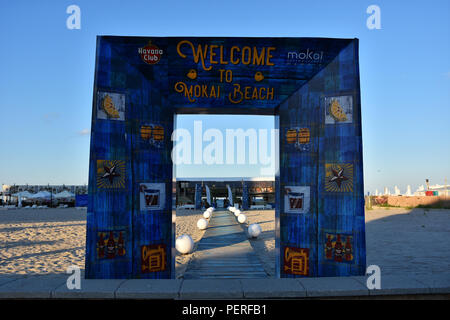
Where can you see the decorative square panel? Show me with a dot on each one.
(296, 261)
(110, 174)
(339, 247)
(152, 196)
(110, 106)
(153, 258)
(338, 109)
(152, 135)
(110, 244)
(339, 177)
(296, 199)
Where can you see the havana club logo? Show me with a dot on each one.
(150, 54)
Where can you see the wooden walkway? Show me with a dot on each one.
(224, 252)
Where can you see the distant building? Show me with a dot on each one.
(261, 190)
(442, 190)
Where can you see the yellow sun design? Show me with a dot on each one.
(110, 174)
(339, 177)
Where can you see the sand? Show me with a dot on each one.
(186, 223)
(400, 241)
(408, 241)
(39, 241)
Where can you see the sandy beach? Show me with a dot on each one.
(186, 223)
(408, 241)
(37, 241)
(398, 240)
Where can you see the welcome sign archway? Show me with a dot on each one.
(310, 85)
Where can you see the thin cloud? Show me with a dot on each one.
(51, 116)
(84, 132)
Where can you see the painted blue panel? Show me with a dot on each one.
(334, 235)
(312, 84)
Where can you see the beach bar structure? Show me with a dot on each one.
(310, 86)
(230, 189)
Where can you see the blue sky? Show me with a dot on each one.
(47, 71)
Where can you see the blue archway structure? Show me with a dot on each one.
(310, 85)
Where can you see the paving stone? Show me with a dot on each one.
(34, 287)
(149, 289)
(437, 283)
(5, 278)
(333, 287)
(211, 289)
(399, 285)
(272, 288)
(90, 289)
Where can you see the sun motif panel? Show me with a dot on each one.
(339, 177)
(110, 174)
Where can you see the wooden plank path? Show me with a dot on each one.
(224, 252)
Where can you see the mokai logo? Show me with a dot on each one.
(151, 54)
(308, 56)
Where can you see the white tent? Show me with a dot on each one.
(64, 194)
(41, 195)
(23, 194)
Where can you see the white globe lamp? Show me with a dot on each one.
(254, 230)
(207, 214)
(242, 218)
(237, 212)
(184, 244)
(202, 224)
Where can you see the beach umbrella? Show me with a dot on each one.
(23, 194)
(64, 194)
(41, 195)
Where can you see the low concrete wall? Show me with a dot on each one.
(55, 286)
(414, 201)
